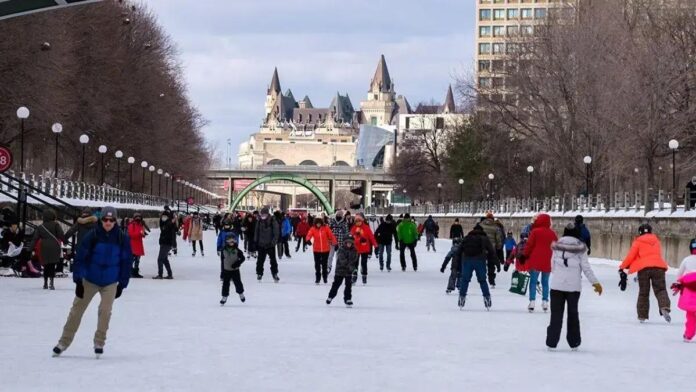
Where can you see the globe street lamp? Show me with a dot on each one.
(118, 154)
(22, 114)
(491, 177)
(674, 145)
(152, 175)
(461, 190)
(530, 170)
(131, 161)
(588, 161)
(439, 193)
(159, 182)
(636, 180)
(144, 165)
(166, 184)
(84, 139)
(57, 128)
(102, 150)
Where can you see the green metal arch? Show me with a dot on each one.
(295, 179)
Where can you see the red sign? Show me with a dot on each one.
(5, 159)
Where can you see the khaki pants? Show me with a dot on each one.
(108, 295)
(656, 277)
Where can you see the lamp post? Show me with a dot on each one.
(144, 165)
(57, 128)
(439, 193)
(588, 161)
(530, 170)
(159, 182)
(461, 190)
(84, 139)
(118, 155)
(635, 180)
(674, 146)
(22, 114)
(166, 183)
(491, 177)
(131, 161)
(102, 150)
(152, 175)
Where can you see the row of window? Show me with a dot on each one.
(485, 82)
(512, 14)
(505, 31)
(515, 1)
(498, 48)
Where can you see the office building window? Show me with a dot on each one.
(484, 1)
(484, 82)
(484, 48)
(499, 1)
(498, 48)
(540, 13)
(526, 13)
(527, 30)
(499, 14)
(485, 31)
(485, 14)
(498, 31)
(484, 65)
(497, 65)
(512, 31)
(513, 13)
(511, 48)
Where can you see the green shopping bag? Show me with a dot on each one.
(519, 283)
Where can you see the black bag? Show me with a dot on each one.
(472, 246)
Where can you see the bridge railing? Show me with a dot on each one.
(284, 168)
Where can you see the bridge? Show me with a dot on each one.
(304, 176)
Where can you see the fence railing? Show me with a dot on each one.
(620, 201)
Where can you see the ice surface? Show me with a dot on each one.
(403, 334)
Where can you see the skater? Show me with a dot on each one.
(322, 240)
(217, 222)
(407, 233)
(346, 263)
(690, 192)
(195, 232)
(341, 230)
(166, 242)
(537, 256)
(645, 258)
(226, 231)
(232, 259)
(364, 241)
(136, 233)
(569, 262)
(266, 235)
(248, 228)
(510, 245)
(301, 233)
(454, 256)
(285, 233)
(475, 249)
(456, 230)
(492, 230)
(686, 285)
(50, 235)
(431, 232)
(585, 235)
(517, 255)
(84, 224)
(102, 265)
(386, 232)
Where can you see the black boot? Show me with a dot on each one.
(50, 285)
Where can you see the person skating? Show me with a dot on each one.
(364, 242)
(454, 256)
(51, 235)
(456, 230)
(431, 232)
(83, 225)
(285, 233)
(248, 227)
(217, 222)
(195, 232)
(690, 192)
(232, 259)
(102, 265)
(266, 235)
(492, 230)
(136, 233)
(301, 233)
(407, 233)
(322, 241)
(474, 250)
(167, 240)
(226, 231)
(517, 255)
(510, 245)
(385, 234)
(346, 263)
(686, 285)
(537, 258)
(585, 235)
(569, 262)
(341, 230)
(645, 258)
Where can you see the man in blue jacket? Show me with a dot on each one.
(102, 265)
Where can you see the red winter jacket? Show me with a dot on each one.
(302, 229)
(322, 239)
(538, 251)
(363, 237)
(136, 232)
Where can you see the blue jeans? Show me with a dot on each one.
(466, 271)
(429, 240)
(380, 250)
(533, 278)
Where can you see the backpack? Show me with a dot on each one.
(472, 246)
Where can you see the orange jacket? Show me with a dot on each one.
(322, 239)
(646, 252)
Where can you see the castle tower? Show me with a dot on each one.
(380, 104)
(273, 97)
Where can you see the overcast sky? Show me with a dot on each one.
(230, 47)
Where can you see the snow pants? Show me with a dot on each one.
(338, 280)
(402, 256)
(558, 304)
(656, 277)
(108, 296)
(270, 252)
(690, 327)
(321, 265)
(236, 278)
(380, 250)
(467, 269)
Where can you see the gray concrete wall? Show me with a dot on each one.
(611, 237)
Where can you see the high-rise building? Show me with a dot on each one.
(498, 24)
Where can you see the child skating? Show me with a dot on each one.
(232, 259)
(686, 285)
(454, 256)
(346, 263)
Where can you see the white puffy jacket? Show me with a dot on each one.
(568, 263)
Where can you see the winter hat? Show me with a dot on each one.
(579, 219)
(86, 211)
(318, 221)
(231, 240)
(389, 217)
(109, 212)
(227, 222)
(572, 231)
(489, 215)
(456, 220)
(692, 246)
(407, 216)
(644, 229)
(265, 211)
(349, 239)
(360, 216)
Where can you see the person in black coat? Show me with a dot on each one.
(474, 250)
(691, 192)
(385, 233)
(167, 238)
(456, 230)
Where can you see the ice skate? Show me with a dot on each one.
(545, 305)
(223, 300)
(194, 254)
(98, 352)
(276, 278)
(462, 301)
(242, 297)
(169, 277)
(531, 306)
(259, 277)
(349, 303)
(576, 348)
(642, 321)
(58, 349)
(328, 301)
(448, 291)
(550, 349)
(364, 279)
(157, 277)
(664, 312)
(487, 303)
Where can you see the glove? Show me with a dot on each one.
(522, 259)
(119, 290)
(79, 290)
(442, 269)
(623, 280)
(676, 288)
(597, 288)
(588, 251)
(219, 253)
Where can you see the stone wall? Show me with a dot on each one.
(611, 237)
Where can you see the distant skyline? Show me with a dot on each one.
(229, 50)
